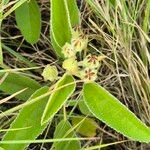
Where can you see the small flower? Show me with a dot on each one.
(68, 50)
(89, 74)
(91, 61)
(71, 65)
(80, 42)
(50, 73)
(76, 33)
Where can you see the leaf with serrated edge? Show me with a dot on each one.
(60, 25)
(73, 12)
(14, 82)
(56, 46)
(111, 111)
(63, 90)
(29, 118)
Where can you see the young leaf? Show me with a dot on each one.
(28, 118)
(73, 12)
(14, 82)
(108, 109)
(64, 130)
(66, 86)
(28, 19)
(60, 25)
(85, 126)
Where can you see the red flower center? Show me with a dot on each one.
(92, 59)
(89, 74)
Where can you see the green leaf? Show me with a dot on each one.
(84, 109)
(64, 130)
(113, 2)
(4, 2)
(73, 12)
(55, 45)
(85, 126)
(63, 17)
(28, 19)
(108, 109)
(14, 82)
(28, 118)
(63, 90)
(60, 25)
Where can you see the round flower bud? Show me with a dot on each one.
(71, 65)
(68, 50)
(79, 43)
(50, 73)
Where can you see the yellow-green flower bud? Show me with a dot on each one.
(50, 73)
(71, 65)
(79, 43)
(68, 50)
(76, 32)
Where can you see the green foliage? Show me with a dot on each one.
(5, 2)
(29, 118)
(28, 19)
(73, 12)
(63, 90)
(84, 109)
(61, 23)
(14, 82)
(113, 2)
(108, 109)
(85, 126)
(64, 130)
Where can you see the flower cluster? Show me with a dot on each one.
(85, 69)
